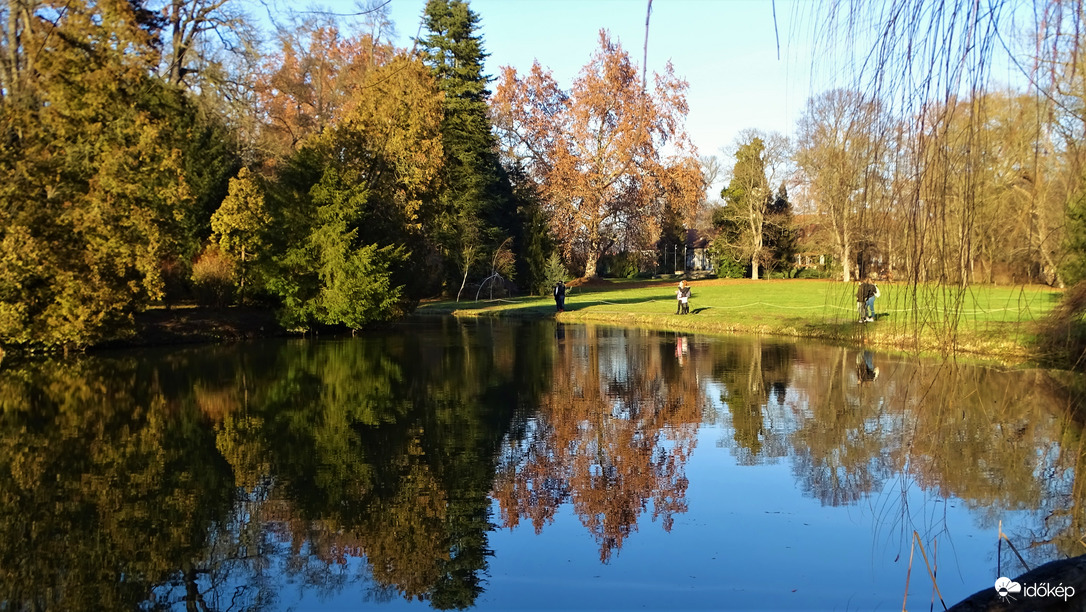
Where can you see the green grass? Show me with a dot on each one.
(992, 321)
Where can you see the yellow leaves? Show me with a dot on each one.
(390, 133)
(238, 440)
(239, 220)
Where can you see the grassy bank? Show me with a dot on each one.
(995, 322)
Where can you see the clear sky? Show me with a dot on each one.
(749, 63)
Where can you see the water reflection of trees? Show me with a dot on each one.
(611, 436)
(846, 440)
(99, 476)
(754, 377)
(200, 478)
(999, 440)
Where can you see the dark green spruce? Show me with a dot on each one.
(479, 215)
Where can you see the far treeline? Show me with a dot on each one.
(165, 152)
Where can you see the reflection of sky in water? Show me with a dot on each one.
(750, 540)
(768, 528)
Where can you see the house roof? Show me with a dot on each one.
(696, 239)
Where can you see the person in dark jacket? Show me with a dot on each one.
(865, 299)
(560, 296)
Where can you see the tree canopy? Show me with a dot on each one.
(605, 155)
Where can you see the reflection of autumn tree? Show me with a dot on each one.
(98, 485)
(613, 432)
(1064, 502)
(178, 476)
(754, 374)
(999, 441)
(975, 434)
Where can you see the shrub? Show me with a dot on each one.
(213, 277)
(553, 271)
(1063, 334)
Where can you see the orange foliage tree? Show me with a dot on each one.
(607, 155)
(304, 86)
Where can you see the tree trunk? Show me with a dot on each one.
(590, 266)
(463, 282)
(594, 251)
(241, 289)
(846, 263)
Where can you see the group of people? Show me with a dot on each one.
(865, 298)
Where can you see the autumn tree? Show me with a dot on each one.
(348, 205)
(240, 222)
(92, 186)
(304, 86)
(604, 154)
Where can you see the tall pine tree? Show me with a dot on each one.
(478, 211)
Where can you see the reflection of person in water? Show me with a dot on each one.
(866, 370)
(681, 348)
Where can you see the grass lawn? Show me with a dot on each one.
(985, 320)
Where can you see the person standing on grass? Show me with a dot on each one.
(865, 299)
(679, 297)
(684, 299)
(560, 296)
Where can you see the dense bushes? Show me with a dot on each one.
(1062, 339)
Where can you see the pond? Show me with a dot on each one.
(527, 465)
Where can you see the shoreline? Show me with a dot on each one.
(815, 310)
(1015, 356)
(819, 310)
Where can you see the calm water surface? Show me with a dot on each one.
(500, 466)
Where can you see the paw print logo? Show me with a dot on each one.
(1006, 587)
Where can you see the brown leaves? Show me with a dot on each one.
(606, 154)
(303, 88)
